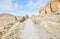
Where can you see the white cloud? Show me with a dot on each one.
(6, 5)
(16, 9)
(32, 4)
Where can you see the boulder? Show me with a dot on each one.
(42, 11)
(54, 7)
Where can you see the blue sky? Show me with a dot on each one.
(21, 7)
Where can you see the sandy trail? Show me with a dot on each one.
(30, 31)
(34, 32)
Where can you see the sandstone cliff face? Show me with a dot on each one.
(52, 7)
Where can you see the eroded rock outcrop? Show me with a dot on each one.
(21, 18)
(7, 21)
(52, 7)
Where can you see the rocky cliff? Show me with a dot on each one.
(52, 7)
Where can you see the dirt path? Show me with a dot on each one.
(30, 31)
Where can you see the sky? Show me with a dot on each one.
(21, 7)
